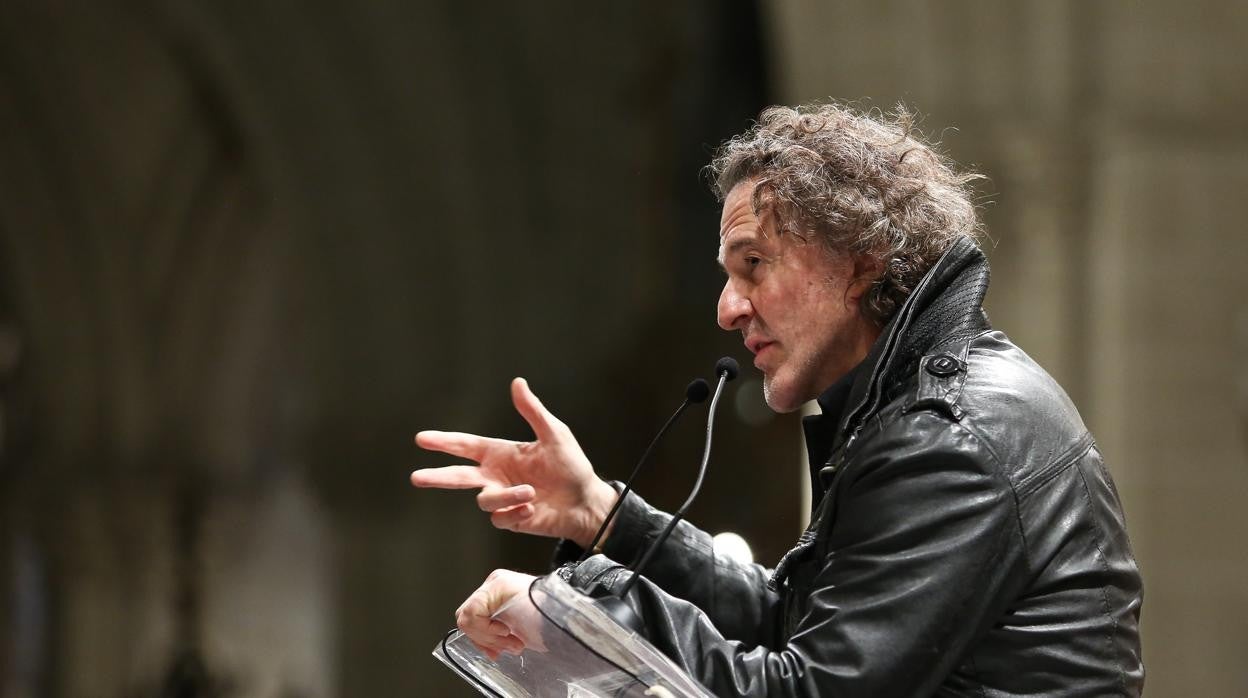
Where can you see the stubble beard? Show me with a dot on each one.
(806, 371)
(772, 396)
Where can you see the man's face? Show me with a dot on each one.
(795, 303)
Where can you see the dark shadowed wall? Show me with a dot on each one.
(247, 251)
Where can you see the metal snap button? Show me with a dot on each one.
(943, 365)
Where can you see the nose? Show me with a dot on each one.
(734, 308)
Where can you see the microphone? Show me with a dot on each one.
(698, 391)
(727, 369)
(695, 393)
(615, 606)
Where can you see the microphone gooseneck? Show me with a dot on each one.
(695, 393)
(727, 369)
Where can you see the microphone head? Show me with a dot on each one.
(697, 391)
(727, 367)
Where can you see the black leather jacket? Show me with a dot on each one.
(969, 540)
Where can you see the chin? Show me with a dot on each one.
(779, 399)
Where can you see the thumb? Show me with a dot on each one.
(534, 412)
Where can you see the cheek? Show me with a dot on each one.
(818, 296)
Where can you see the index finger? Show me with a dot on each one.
(456, 443)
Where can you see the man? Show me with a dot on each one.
(965, 539)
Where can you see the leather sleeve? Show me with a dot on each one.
(922, 554)
(733, 596)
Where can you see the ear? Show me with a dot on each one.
(867, 270)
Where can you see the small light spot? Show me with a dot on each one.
(751, 408)
(732, 546)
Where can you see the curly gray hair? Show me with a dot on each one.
(862, 183)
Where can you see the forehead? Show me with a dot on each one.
(739, 226)
(738, 209)
(742, 231)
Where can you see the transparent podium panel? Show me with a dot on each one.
(572, 650)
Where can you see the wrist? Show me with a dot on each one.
(599, 501)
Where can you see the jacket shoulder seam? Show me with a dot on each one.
(998, 472)
(1034, 481)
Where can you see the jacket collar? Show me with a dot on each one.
(944, 307)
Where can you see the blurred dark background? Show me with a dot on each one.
(247, 250)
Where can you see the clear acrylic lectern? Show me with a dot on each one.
(572, 650)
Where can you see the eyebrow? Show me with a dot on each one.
(732, 247)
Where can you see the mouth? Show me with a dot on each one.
(757, 347)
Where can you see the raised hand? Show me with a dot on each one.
(546, 487)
